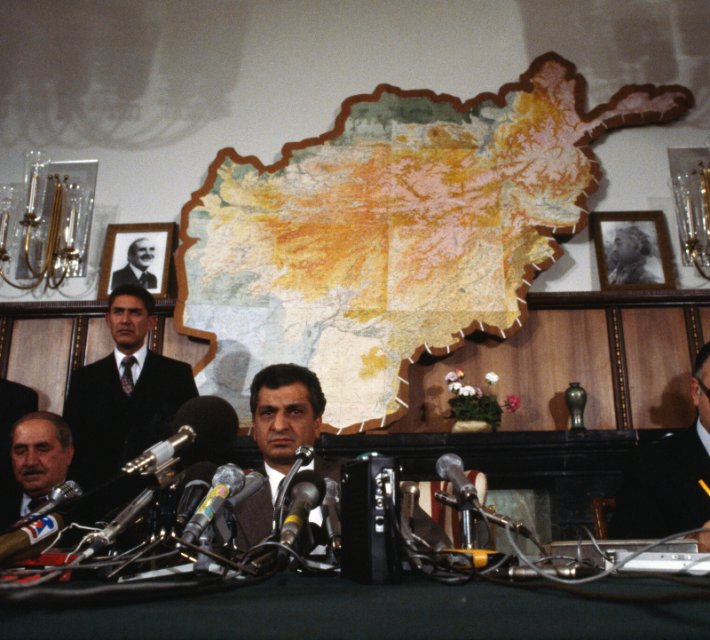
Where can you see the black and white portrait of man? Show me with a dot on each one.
(143, 260)
(632, 253)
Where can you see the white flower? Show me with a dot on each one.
(492, 378)
(451, 377)
(455, 386)
(467, 391)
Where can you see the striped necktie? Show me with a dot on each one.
(127, 377)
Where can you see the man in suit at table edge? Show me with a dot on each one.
(287, 405)
(666, 485)
(123, 404)
(41, 451)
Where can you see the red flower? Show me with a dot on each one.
(512, 403)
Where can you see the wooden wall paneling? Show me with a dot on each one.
(180, 347)
(155, 338)
(98, 341)
(5, 338)
(537, 364)
(77, 349)
(658, 366)
(39, 352)
(694, 329)
(704, 319)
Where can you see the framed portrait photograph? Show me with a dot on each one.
(633, 250)
(138, 254)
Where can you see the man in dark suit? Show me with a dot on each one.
(41, 451)
(662, 491)
(287, 405)
(140, 256)
(123, 404)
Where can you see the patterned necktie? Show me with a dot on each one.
(127, 377)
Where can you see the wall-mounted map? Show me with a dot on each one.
(417, 220)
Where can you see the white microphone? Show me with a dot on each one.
(450, 467)
(227, 481)
(306, 494)
(253, 482)
(160, 453)
(331, 516)
(61, 494)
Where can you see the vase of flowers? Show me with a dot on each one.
(476, 409)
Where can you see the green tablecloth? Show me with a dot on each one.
(293, 605)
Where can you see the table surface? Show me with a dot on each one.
(295, 605)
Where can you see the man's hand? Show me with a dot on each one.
(704, 539)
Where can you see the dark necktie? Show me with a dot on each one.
(143, 280)
(34, 503)
(127, 377)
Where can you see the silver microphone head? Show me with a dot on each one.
(305, 454)
(229, 475)
(447, 461)
(332, 489)
(67, 490)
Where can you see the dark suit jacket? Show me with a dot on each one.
(255, 515)
(111, 428)
(128, 276)
(660, 493)
(10, 513)
(16, 400)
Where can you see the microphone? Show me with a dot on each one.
(331, 515)
(216, 423)
(119, 524)
(492, 517)
(450, 467)
(307, 493)
(409, 492)
(303, 457)
(61, 494)
(30, 541)
(197, 482)
(254, 481)
(227, 481)
(160, 453)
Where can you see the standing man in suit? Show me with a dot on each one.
(41, 451)
(140, 256)
(123, 404)
(662, 492)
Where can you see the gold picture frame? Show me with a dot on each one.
(121, 261)
(633, 250)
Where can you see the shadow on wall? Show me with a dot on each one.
(135, 74)
(633, 42)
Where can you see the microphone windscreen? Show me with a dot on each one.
(215, 423)
(312, 477)
(203, 470)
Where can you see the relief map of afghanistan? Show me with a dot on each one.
(417, 220)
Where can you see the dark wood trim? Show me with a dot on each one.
(91, 308)
(6, 325)
(619, 376)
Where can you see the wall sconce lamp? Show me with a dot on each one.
(48, 242)
(690, 181)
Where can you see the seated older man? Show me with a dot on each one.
(41, 451)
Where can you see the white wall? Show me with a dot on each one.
(154, 88)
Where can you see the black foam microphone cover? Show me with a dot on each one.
(216, 424)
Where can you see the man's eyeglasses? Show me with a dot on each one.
(703, 388)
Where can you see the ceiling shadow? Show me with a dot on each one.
(134, 74)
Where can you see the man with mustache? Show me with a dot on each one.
(140, 256)
(41, 451)
(287, 405)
